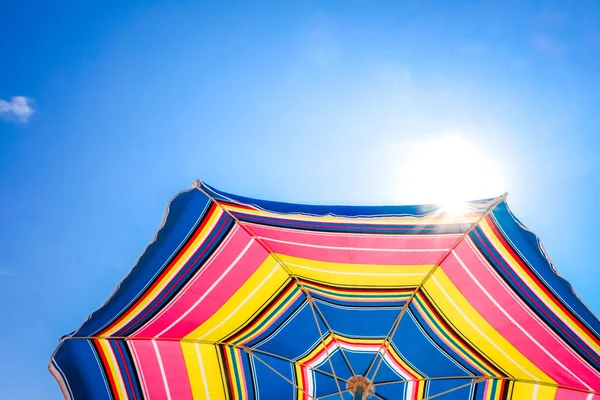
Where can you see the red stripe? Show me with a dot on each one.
(111, 381)
(236, 205)
(127, 373)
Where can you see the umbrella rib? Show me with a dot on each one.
(396, 323)
(441, 378)
(483, 378)
(337, 383)
(474, 382)
(249, 351)
(550, 384)
(198, 185)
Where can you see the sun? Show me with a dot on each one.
(446, 170)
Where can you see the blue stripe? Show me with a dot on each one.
(80, 366)
(347, 227)
(342, 211)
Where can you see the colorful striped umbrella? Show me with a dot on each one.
(238, 298)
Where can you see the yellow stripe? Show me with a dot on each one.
(404, 365)
(113, 368)
(358, 341)
(477, 330)
(300, 381)
(244, 303)
(357, 275)
(204, 372)
(169, 276)
(543, 296)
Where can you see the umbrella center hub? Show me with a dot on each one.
(360, 387)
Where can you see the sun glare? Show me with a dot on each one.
(447, 170)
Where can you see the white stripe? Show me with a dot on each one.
(536, 388)
(60, 377)
(206, 267)
(253, 369)
(162, 369)
(318, 246)
(242, 303)
(210, 289)
(197, 345)
(511, 319)
(479, 330)
(354, 273)
(358, 235)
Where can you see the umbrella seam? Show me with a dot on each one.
(396, 323)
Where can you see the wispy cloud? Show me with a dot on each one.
(19, 108)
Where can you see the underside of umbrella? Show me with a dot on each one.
(237, 298)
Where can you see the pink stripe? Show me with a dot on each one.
(356, 256)
(171, 355)
(148, 367)
(355, 240)
(355, 249)
(566, 394)
(514, 307)
(201, 284)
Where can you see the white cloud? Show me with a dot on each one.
(18, 107)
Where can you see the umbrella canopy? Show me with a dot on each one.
(238, 298)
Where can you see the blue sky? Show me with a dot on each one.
(110, 108)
